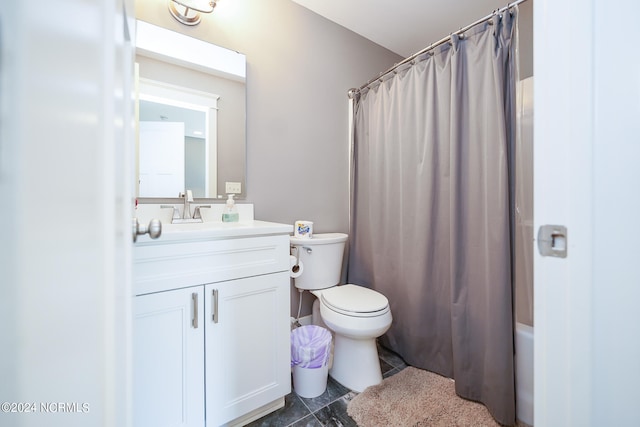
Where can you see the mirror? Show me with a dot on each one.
(186, 85)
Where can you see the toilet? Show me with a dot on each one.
(356, 315)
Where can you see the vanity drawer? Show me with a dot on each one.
(177, 265)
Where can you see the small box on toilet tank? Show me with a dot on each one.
(303, 229)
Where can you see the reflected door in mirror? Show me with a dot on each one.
(162, 155)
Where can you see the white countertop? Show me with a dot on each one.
(214, 230)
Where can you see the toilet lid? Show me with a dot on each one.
(356, 300)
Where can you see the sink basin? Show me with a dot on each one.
(191, 225)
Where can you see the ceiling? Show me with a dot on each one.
(403, 26)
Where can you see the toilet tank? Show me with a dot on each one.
(321, 259)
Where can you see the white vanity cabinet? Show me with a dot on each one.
(211, 328)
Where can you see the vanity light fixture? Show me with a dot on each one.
(188, 11)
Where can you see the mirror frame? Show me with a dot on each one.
(178, 49)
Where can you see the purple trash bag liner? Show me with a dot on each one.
(310, 346)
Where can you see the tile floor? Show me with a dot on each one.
(330, 408)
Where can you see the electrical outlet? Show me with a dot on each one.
(233, 187)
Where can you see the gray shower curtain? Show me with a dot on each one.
(431, 225)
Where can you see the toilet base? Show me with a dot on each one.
(355, 363)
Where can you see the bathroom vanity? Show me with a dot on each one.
(211, 324)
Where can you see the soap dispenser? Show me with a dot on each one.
(230, 212)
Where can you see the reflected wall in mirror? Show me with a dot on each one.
(172, 88)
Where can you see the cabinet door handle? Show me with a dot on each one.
(215, 306)
(194, 320)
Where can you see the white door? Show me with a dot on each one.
(65, 238)
(161, 159)
(587, 178)
(168, 359)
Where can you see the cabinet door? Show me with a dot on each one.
(247, 345)
(168, 359)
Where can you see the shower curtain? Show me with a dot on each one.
(431, 202)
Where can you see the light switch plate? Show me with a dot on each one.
(233, 187)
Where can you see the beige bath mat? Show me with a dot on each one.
(414, 397)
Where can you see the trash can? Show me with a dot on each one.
(310, 351)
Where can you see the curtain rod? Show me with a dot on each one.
(436, 44)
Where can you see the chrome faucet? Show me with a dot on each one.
(188, 199)
(197, 214)
(186, 210)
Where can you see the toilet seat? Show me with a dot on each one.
(356, 301)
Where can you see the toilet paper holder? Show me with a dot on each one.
(297, 249)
